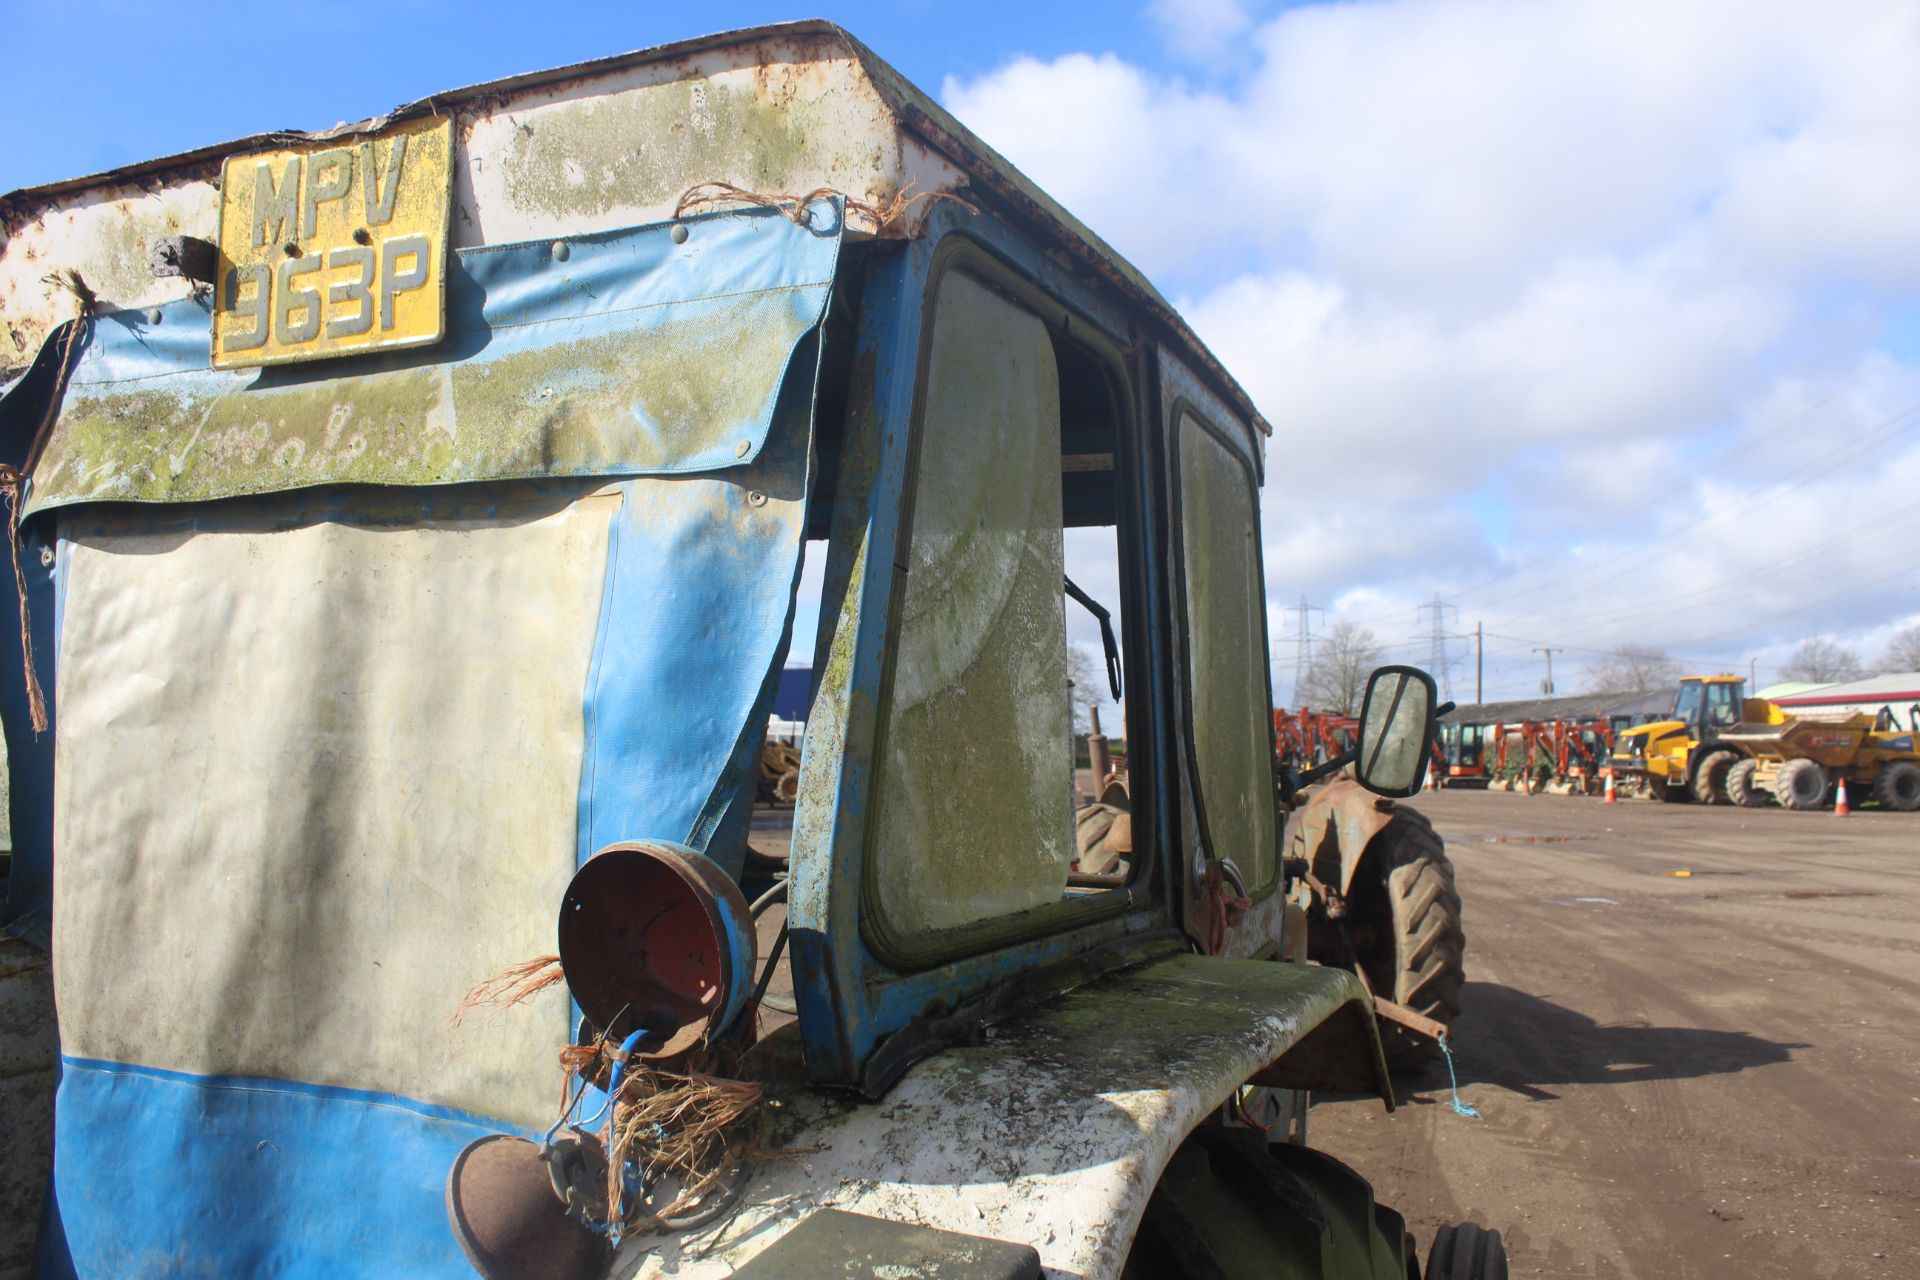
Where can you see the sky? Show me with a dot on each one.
(1597, 321)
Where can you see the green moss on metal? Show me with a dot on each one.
(606, 404)
(648, 146)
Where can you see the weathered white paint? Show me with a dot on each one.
(1053, 1133)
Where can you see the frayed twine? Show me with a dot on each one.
(511, 986)
(883, 216)
(13, 482)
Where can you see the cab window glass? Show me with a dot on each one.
(973, 798)
(1226, 652)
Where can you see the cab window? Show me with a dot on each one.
(1227, 652)
(978, 770)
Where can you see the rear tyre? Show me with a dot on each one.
(1231, 1205)
(1801, 784)
(1898, 786)
(1741, 787)
(1466, 1252)
(1405, 924)
(1709, 784)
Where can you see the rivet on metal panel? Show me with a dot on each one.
(154, 316)
(679, 233)
(560, 251)
(755, 498)
(46, 557)
(742, 449)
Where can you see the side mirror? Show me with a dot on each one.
(1397, 726)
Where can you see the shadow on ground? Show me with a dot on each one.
(1521, 1042)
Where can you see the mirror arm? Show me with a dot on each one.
(1334, 765)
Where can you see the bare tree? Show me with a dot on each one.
(1819, 660)
(1336, 679)
(1633, 668)
(1904, 653)
(1086, 684)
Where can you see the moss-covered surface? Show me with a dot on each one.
(676, 395)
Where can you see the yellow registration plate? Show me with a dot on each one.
(335, 249)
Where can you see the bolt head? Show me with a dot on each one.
(679, 233)
(742, 449)
(560, 251)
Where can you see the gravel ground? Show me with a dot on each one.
(1703, 1075)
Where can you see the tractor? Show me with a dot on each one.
(408, 523)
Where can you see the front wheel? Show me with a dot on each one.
(1404, 918)
(1801, 784)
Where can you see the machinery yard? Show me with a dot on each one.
(1696, 1075)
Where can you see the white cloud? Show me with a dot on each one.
(1506, 274)
(1201, 30)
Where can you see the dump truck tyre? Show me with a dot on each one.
(1467, 1252)
(1232, 1205)
(1741, 788)
(1897, 786)
(1801, 784)
(1420, 958)
(1709, 783)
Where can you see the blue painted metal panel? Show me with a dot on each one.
(286, 1179)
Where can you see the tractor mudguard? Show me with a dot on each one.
(1340, 820)
(1055, 1129)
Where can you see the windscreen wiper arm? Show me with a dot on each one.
(1111, 645)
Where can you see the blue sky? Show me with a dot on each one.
(120, 84)
(1599, 318)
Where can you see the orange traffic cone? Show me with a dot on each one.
(1840, 807)
(1609, 798)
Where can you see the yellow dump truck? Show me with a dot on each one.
(1799, 762)
(1721, 747)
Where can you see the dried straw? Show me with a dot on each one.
(693, 1126)
(511, 986)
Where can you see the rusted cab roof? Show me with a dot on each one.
(595, 146)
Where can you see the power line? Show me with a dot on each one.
(1439, 662)
(1303, 643)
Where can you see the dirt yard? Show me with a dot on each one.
(1704, 1075)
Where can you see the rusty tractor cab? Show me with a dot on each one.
(410, 519)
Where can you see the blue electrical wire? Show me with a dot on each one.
(1459, 1108)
